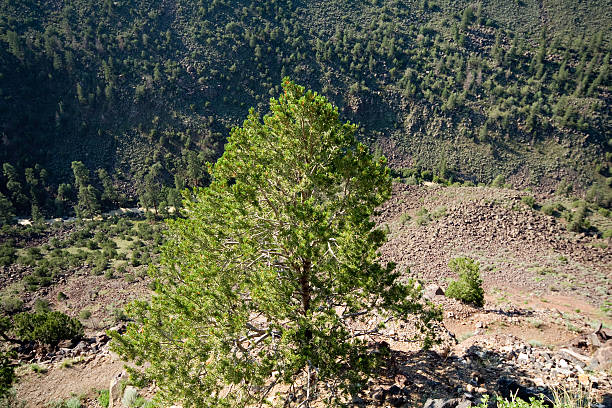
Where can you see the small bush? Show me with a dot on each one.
(7, 374)
(498, 182)
(42, 305)
(67, 363)
(11, 304)
(130, 397)
(85, 314)
(39, 369)
(548, 209)
(8, 253)
(439, 212)
(405, 218)
(513, 403)
(118, 314)
(578, 219)
(10, 400)
(61, 296)
(103, 398)
(74, 402)
(47, 327)
(468, 288)
(529, 201)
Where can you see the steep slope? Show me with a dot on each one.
(520, 89)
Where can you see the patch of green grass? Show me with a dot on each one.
(39, 369)
(535, 343)
(464, 336)
(538, 324)
(405, 218)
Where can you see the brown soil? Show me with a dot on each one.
(59, 383)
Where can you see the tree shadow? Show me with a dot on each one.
(411, 378)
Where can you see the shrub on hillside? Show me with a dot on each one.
(468, 288)
(7, 374)
(548, 209)
(529, 201)
(498, 182)
(8, 253)
(11, 304)
(47, 327)
(578, 220)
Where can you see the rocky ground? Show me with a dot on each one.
(544, 324)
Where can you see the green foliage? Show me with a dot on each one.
(84, 314)
(499, 181)
(10, 400)
(130, 397)
(74, 402)
(515, 403)
(405, 218)
(42, 305)
(468, 288)
(7, 212)
(529, 201)
(47, 327)
(130, 94)
(11, 304)
(273, 262)
(8, 253)
(103, 398)
(548, 209)
(577, 221)
(7, 374)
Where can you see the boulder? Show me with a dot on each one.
(114, 391)
(431, 291)
(602, 359)
(448, 403)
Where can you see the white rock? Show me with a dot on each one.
(562, 364)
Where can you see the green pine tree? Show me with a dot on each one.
(263, 281)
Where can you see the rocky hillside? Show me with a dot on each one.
(150, 88)
(545, 323)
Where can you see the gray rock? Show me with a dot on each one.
(562, 364)
(431, 291)
(448, 403)
(602, 359)
(114, 397)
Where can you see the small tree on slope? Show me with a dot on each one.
(272, 277)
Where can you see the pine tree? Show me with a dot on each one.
(262, 281)
(150, 190)
(88, 204)
(109, 194)
(14, 187)
(7, 213)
